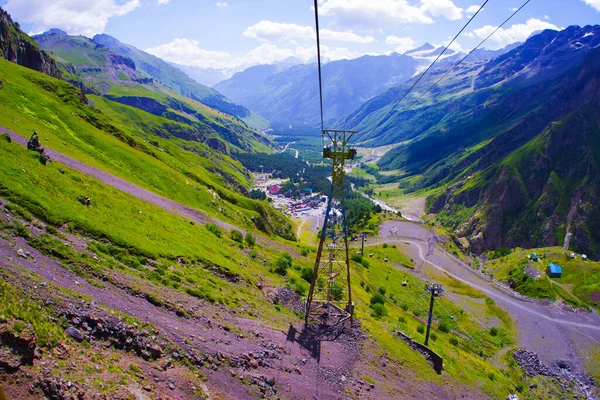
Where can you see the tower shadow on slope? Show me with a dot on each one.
(311, 336)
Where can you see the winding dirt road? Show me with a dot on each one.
(544, 327)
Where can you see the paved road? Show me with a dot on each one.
(544, 327)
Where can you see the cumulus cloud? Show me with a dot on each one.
(222, 4)
(84, 17)
(160, 2)
(190, 52)
(472, 10)
(378, 14)
(593, 3)
(345, 36)
(403, 44)
(373, 14)
(268, 31)
(516, 33)
(442, 8)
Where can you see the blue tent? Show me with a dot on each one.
(554, 270)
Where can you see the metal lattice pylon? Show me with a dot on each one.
(329, 300)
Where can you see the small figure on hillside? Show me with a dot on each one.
(44, 158)
(86, 201)
(34, 143)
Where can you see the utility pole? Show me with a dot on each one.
(435, 290)
(362, 249)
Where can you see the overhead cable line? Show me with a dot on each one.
(319, 63)
(430, 66)
(465, 57)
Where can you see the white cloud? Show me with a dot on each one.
(472, 10)
(403, 44)
(372, 14)
(345, 36)
(442, 8)
(160, 2)
(268, 31)
(85, 17)
(593, 3)
(470, 35)
(516, 33)
(189, 52)
(222, 4)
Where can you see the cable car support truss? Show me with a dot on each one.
(329, 300)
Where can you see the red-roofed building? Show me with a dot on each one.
(273, 190)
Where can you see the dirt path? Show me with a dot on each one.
(141, 193)
(544, 327)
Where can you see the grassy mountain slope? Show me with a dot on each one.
(104, 72)
(123, 141)
(536, 182)
(537, 194)
(176, 80)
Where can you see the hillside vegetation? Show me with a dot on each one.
(187, 171)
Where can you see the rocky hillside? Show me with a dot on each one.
(546, 191)
(17, 47)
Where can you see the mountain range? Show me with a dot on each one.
(289, 93)
(508, 145)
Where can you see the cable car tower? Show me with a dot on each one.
(329, 300)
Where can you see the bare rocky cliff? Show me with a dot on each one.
(17, 47)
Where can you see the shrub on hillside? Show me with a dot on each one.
(377, 298)
(236, 236)
(379, 311)
(283, 263)
(356, 257)
(306, 273)
(215, 230)
(444, 327)
(250, 241)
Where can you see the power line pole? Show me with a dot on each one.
(362, 249)
(435, 290)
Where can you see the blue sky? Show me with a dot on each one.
(239, 33)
